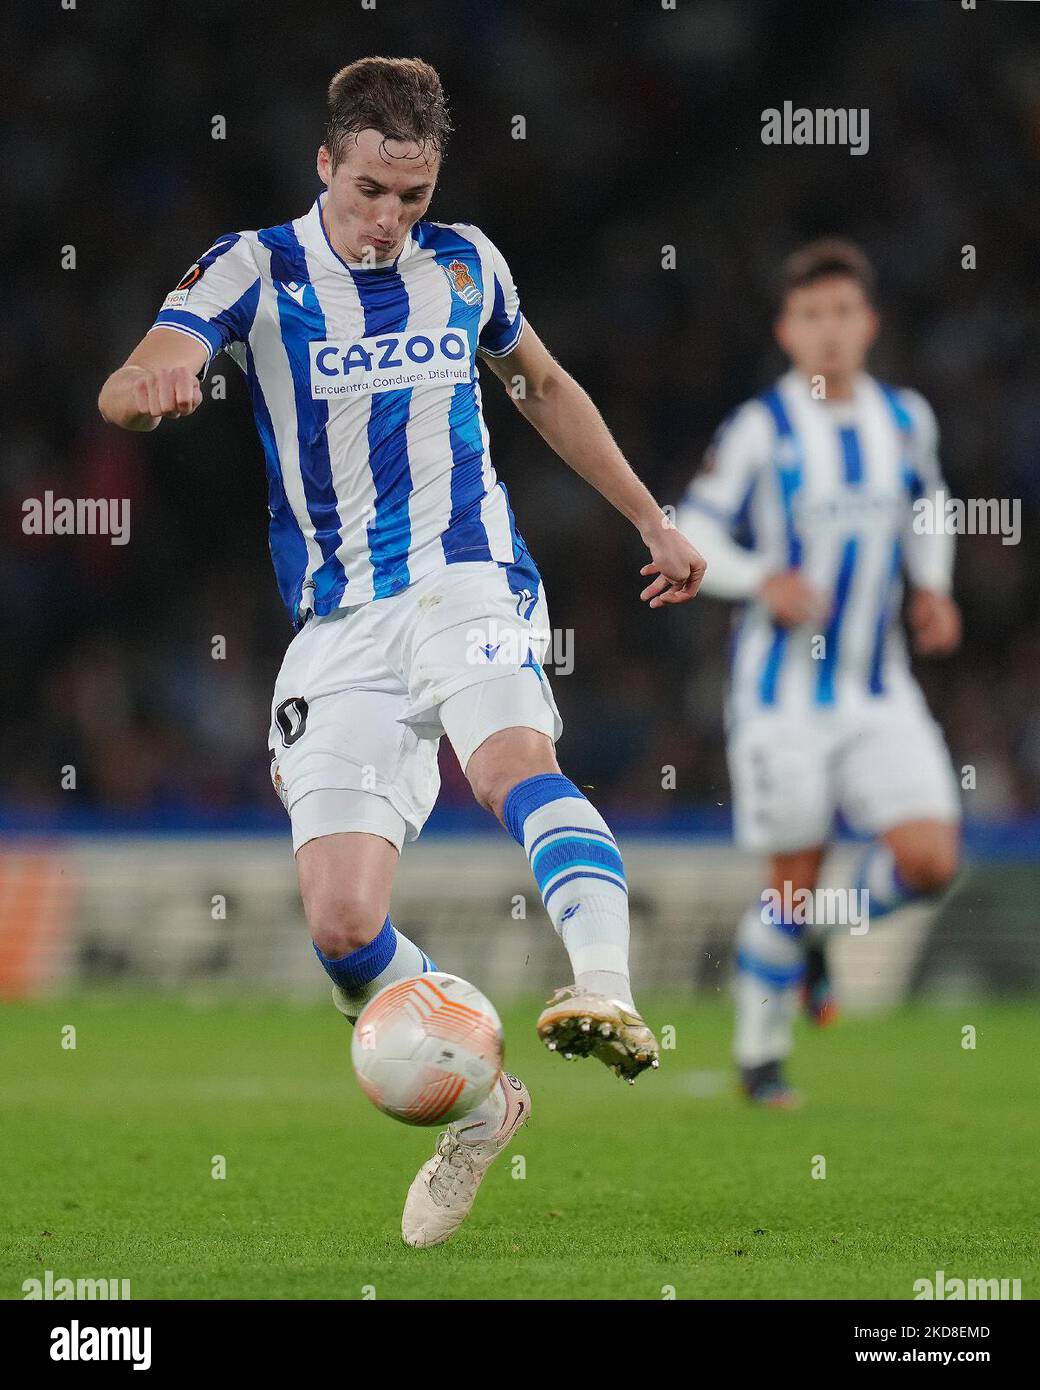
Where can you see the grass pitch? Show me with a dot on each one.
(107, 1153)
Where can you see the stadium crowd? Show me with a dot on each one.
(637, 138)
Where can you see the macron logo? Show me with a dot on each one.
(294, 290)
(492, 651)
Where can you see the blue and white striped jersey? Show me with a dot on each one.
(827, 488)
(366, 396)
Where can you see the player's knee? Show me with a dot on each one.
(502, 762)
(929, 867)
(492, 790)
(491, 793)
(342, 919)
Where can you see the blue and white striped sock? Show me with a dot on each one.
(886, 889)
(361, 974)
(578, 869)
(770, 966)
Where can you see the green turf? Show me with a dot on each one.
(106, 1156)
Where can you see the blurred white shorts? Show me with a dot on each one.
(881, 763)
(365, 694)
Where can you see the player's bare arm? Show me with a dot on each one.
(158, 381)
(568, 421)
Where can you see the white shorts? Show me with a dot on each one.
(364, 695)
(881, 763)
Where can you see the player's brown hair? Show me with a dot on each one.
(402, 98)
(831, 256)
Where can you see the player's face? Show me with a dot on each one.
(379, 190)
(826, 328)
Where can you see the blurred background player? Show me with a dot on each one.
(358, 326)
(804, 510)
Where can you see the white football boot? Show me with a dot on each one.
(445, 1187)
(579, 1023)
(349, 1008)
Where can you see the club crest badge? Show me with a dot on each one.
(462, 282)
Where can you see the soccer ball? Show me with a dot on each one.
(427, 1049)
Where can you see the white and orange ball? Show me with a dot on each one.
(428, 1049)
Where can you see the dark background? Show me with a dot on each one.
(643, 129)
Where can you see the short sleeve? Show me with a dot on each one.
(216, 299)
(502, 328)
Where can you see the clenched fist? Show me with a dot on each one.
(165, 392)
(159, 381)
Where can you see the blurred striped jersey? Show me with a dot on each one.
(827, 488)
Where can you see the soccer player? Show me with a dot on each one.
(359, 326)
(804, 508)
